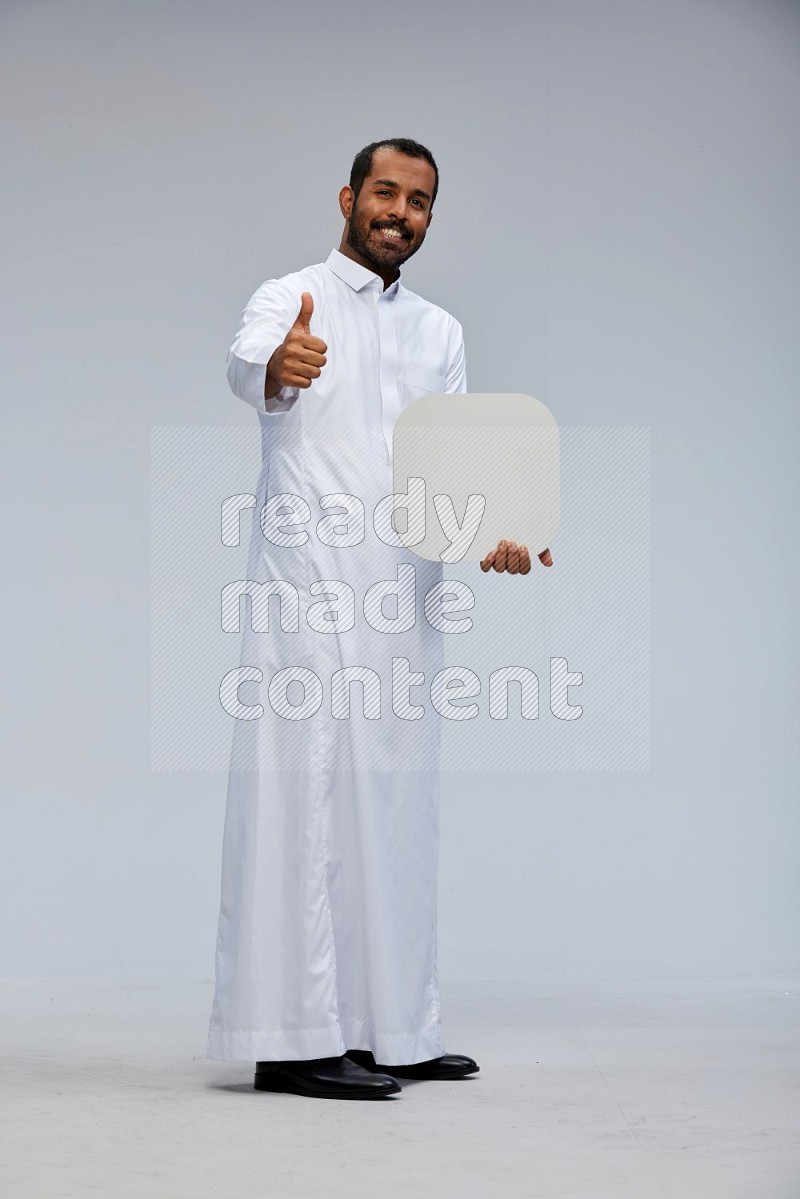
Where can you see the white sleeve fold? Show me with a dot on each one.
(267, 318)
(457, 364)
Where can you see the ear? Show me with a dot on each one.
(346, 198)
(430, 215)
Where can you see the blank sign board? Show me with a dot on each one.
(470, 470)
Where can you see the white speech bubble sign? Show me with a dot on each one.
(472, 469)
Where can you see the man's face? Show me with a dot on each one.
(392, 212)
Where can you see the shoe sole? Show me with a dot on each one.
(439, 1077)
(268, 1082)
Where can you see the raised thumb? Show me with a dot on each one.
(306, 309)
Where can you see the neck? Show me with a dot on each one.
(387, 273)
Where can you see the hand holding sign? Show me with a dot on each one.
(513, 558)
(300, 357)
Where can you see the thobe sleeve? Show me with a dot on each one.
(269, 315)
(456, 363)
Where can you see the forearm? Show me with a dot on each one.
(271, 384)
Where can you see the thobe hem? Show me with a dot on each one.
(281, 1045)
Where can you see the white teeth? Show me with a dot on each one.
(391, 233)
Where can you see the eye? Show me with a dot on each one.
(418, 202)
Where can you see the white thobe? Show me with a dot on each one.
(327, 926)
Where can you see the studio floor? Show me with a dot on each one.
(645, 1089)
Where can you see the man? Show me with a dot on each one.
(326, 954)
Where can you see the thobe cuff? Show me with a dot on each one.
(247, 381)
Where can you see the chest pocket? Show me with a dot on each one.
(417, 382)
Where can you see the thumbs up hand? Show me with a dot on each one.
(300, 357)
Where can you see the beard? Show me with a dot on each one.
(372, 249)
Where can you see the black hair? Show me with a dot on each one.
(362, 163)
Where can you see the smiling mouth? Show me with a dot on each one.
(393, 235)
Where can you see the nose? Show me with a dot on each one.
(399, 210)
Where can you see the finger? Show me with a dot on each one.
(300, 357)
(305, 370)
(513, 558)
(486, 564)
(303, 318)
(500, 557)
(524, 560)
(545, 558)
(309, 342)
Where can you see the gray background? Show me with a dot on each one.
(616, 231)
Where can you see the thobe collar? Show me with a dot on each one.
(357, 276)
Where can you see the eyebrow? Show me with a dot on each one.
(417, 191)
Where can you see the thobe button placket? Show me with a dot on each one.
(389, 365)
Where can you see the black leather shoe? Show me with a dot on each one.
(325, 1078)
(450, 1065)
